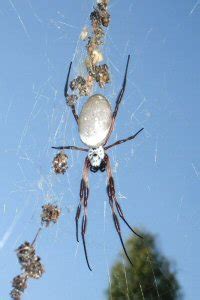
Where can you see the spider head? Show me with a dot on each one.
(96, 158)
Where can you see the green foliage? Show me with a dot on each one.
(151, 276)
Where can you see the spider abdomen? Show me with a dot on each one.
(95, 121)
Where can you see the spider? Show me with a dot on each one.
(95, 124)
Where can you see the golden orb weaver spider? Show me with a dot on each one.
(95, 124)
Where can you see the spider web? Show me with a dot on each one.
(38, 43)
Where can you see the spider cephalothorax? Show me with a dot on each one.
(97, 158)
(95, 125)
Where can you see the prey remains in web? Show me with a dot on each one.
(95, 125)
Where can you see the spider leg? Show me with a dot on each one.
(124, 140)
(78, 212)
(117, 227)
(119, 99)
(70, 148)
(67, 81)
(84, 227)
(84, 191)
(113, 202)
(111, 194)
(66, 93)
(123, 218)
(121, 93)
(84, 194)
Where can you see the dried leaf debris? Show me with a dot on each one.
(30, 262)
(31, 266)
(60, 163)
(96, 72)
(50, 214)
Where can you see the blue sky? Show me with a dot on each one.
(157, 176)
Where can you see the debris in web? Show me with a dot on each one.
(31, 268)
(30, 262)
(19, 284)
(50, 214)
(94, 38)
(60, 163)
(35, 269)
(25, 254)
(96, 72)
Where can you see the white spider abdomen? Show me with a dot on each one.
(95, 121)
